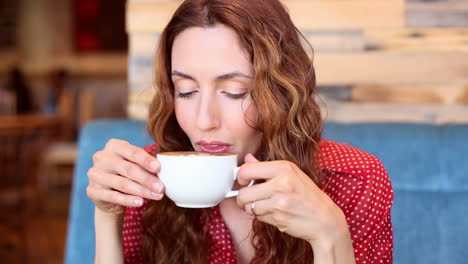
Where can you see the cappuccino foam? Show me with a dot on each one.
(195, 153)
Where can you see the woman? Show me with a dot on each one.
(233, 76)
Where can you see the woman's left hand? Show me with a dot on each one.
(291, 201)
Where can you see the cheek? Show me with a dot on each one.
(251, 116)
(247, 123)
(183, 116)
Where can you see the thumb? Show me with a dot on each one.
(249, 158)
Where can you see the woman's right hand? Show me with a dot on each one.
(122, 175)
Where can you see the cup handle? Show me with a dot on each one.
(235, 193)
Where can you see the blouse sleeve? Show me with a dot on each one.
(131, 236)
(365, 195)
(132, 229)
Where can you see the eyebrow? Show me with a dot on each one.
(224, 76)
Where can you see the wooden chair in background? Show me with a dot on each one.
(23, 140)
(60, 156)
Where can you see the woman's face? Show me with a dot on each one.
(212, 77)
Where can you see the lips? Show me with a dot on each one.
(214, 146)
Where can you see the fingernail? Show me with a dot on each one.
(154, 165)
(156, 195)
(158, 187)
(138, 202)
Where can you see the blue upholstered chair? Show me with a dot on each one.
(428, 165)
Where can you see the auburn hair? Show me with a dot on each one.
(283, 91)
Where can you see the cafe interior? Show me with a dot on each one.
(392, 78)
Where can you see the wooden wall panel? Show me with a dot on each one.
(149, 16)
(152, 16)
(354, 112)
(143, 44)
(408, 94)
(392, 67)
(434, 39)
(339, 14)
(371, 55)
(335, 40)
(437, 13)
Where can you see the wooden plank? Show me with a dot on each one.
(141, 78)
(463, 96)
(335, 92)
(392, 68)
(351, 112)
(437, 13)
(142, 96)
(453, 39)
(149, 16)
(143, 44)
(141, 73)
(434, 5)
(335, 40)
(138, 111)
(339, 14)
(411, 94)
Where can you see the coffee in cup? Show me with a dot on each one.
(198, 179)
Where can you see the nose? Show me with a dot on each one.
(208, 117)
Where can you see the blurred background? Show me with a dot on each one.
(64, 63)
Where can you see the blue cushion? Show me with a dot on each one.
(417, 156)
(430, 227)
(93, 137)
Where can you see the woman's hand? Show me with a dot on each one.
(122, 176)
(291, 201)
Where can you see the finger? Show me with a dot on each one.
(131, 171)
(277, 220)
(257, 208)
(249, 158)
(264, 170)
(253, 193)
(134, 154)
(261, 208)
(252, 208)
(113, 197)
(121, 184)
(269, 211)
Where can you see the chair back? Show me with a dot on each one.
(80, 245)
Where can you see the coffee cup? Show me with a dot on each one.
(198, 179)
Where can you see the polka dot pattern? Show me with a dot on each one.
(222, 248)
(358, 183)
(355, 180)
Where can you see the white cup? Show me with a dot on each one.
(198, 179)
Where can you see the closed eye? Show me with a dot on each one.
(235, 96)
(185, 95)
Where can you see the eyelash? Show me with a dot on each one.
(184, 95)
(232, 96)
(236, 96)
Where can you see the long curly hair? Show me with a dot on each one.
(283, 91)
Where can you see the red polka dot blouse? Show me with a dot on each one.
(355, 180)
